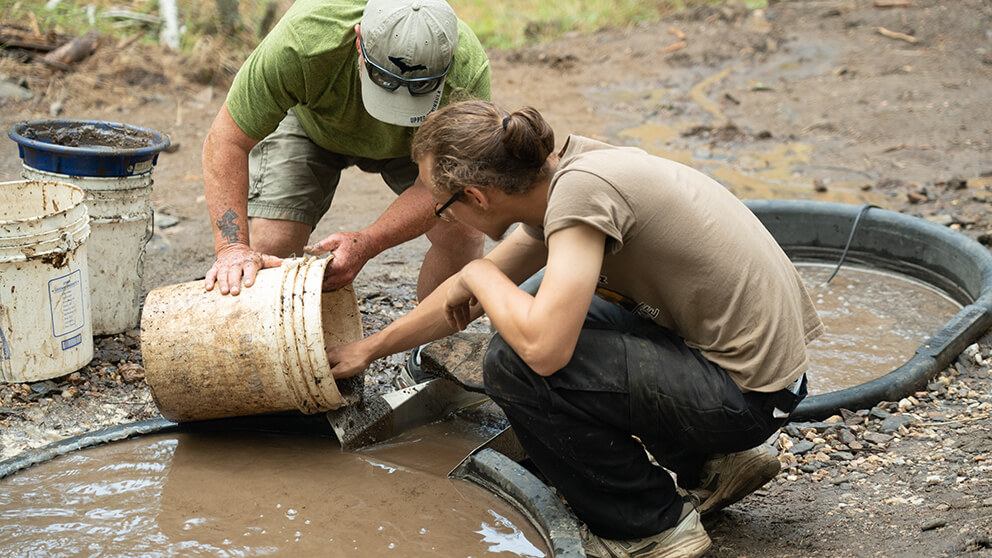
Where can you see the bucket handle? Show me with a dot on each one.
(150, 228)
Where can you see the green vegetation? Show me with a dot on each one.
(511, 23)
(502, 24)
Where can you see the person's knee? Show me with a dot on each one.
(505, 375)
(457, 239)
(278, 237)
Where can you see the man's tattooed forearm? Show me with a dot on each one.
(227, 227)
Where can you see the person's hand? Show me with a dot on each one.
(347, 360)
(351, 253)
(237, 264)
(458, 305)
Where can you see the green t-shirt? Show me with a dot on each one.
(308, 63)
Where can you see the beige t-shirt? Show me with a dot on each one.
(682, 251)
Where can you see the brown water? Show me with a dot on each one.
(874, 323)
(254, 494)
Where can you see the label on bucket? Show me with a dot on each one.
(65, 296)
(72, 341)
(141, 167)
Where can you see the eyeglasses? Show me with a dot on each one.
(388, 80)
(439, 209)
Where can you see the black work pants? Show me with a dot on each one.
(578, 424)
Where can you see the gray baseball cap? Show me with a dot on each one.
(408, 46)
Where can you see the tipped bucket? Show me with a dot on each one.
(45, 327)
(113, 164)
(211, 356)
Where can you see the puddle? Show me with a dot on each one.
(762, 170)
(749, 165)
(261, 494)
(874, 323)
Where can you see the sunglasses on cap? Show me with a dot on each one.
(388, 80)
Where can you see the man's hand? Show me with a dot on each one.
(458, 304)
(236, 264)
(347, 360)
(351, 252)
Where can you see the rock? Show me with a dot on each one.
(9, 89)
(879, 413)
(893, 423)
(801, 447)
(846, 437)
(164, 221)
(795, 429)
(42, 388)
(878, 439)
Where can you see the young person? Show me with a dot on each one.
(668, 330)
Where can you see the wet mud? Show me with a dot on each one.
(90, 135)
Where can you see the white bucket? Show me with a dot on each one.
(209, 355)
(121, 223)
(45, 326)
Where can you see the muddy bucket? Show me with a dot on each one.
(112, 163)
(45, 328)
(211, 356)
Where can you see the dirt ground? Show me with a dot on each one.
(844, 101)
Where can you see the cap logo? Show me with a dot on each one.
(402, 65)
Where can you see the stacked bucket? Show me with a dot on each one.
(72, 242)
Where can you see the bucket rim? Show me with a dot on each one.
(60, 213)
(160, 140)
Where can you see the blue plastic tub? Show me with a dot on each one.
(88, 147)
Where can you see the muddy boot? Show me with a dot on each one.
(728, 478)
(687, 539)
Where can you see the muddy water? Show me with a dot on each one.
(874, 323)
(252, 494)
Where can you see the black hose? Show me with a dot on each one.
(857, 219)
(88, 439)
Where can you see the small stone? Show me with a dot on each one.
(933, 524)
(164, 221)
(876, 438)
(893, 422)
(879, 413)
(801, 447)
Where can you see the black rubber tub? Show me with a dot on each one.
(487, 468)
(811, 231)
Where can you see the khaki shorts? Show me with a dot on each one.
(292, 178)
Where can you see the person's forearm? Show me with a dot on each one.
(423, 324)
(542, 329)
(225, 181)
(408, 217)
